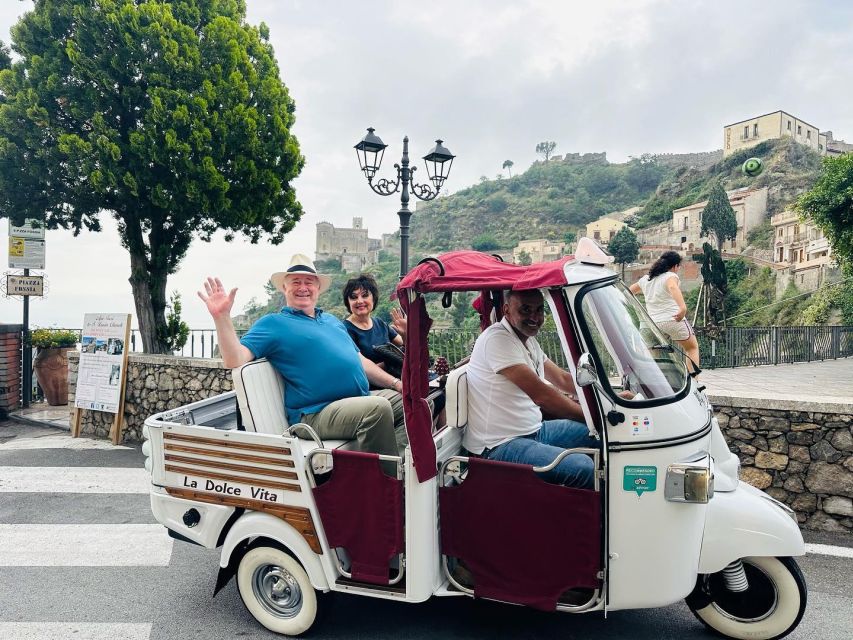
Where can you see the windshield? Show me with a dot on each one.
(635, 356)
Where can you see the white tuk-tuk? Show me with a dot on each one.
(668, 518)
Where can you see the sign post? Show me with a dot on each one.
(26, 251)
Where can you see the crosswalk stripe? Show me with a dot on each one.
(76, 630)
(84, 545)
(829, 550)
(59, 442)
(74, 480)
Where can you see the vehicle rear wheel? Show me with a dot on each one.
(770, 608)
(277, 591)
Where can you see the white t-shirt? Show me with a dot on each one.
(659, 301)
(498, 410)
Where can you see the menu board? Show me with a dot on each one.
(103, 361)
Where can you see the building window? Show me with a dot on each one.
(612, 233)
(596, 235)
(789, 125)
(685, 223)
(820, 146)
(746, 131)
(808, 134)
(780, 232)
(755, 130)
(734, 243)
(799, 130)
(683, 239)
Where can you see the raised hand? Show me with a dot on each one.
(218, 302)
(399, 321)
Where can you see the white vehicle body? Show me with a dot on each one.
(221, 487)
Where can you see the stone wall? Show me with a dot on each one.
(154, 383)
(10, 367)
(799, 453)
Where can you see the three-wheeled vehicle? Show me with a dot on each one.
(668, 518)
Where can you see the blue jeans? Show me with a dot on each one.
(540, 449)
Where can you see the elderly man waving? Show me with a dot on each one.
(325, 376)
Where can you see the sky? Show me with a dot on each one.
(491, 78)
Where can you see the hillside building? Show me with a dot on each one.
(539, 250)
(771, 126)
(683, 230)
(603, 230)
(802, 249)
(351, 246)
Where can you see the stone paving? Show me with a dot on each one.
(785, 386)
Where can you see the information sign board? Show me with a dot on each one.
(25, 253)
(103, 360)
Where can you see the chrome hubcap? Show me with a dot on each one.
(277, 590)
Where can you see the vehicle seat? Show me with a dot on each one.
(456, 394)
(260, 396)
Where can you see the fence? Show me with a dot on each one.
(735, 347)
(750, 346)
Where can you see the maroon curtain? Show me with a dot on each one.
(524, 540)
(416, 386)
(361, 509)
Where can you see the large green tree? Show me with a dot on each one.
(624, 247)
(829, 206)
(168, 115)
(718, 217)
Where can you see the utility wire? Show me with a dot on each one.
(773, 304)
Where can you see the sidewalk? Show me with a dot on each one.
(42, 414)
(828, 383)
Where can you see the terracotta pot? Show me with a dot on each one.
(51, 366)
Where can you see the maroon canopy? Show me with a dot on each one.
(475, 271)
(454, 271)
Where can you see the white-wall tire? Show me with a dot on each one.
(277, 591)
(770, 609)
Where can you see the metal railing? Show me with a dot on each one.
(752, 346)
(735, 347)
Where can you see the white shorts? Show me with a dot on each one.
(676, 329)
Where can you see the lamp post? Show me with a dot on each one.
(370, 150)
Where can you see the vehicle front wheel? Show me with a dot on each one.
(277, 591)
(771, 607)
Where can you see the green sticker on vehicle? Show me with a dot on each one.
(640, 479)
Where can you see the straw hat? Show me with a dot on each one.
(302, 264)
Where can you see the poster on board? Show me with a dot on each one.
(103, 361)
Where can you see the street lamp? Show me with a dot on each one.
(371, 149)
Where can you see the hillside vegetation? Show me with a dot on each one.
(789, 170)
(546, 201)
(553, 198)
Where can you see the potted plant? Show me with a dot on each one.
(51, 361)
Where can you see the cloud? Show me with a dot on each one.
(491, 79)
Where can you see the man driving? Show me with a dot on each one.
(508, 390)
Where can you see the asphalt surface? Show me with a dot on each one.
(175, 601)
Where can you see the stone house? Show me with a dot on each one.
(539, 250)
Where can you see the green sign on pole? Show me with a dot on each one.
(640, 479)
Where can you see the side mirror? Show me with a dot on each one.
(586, 373)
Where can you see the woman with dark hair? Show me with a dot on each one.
(360, 296)
(665, 304)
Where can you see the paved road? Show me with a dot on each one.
(81, 556)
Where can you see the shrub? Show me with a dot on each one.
(45, 338)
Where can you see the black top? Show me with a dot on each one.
(365, 339)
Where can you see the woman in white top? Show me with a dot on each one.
(665, 304)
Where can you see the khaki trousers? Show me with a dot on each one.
(374, 421)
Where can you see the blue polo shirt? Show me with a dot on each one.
(316, 357)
